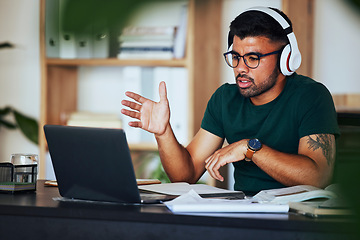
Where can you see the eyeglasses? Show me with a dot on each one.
(251, 60)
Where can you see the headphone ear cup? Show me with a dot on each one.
(295, 60)
(284, 61)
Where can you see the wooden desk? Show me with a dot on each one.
(38, 216)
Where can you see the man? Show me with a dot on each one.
(280, 126)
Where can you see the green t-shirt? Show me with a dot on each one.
(303, 108)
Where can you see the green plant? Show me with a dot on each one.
(160, 174)
(148, 165)
(27, 125)
(6, 45)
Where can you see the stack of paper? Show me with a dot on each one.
(266, 201)
(192, 202)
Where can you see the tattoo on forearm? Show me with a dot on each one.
(326, 143)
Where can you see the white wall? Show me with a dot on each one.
(19, 69)
(337, 46)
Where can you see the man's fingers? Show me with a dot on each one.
(132, 114)
(131, 105)
(162, 91)
(135, 124)
(136, 97)
(216, 173)
(212, 166)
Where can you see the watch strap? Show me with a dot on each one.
(249, 154)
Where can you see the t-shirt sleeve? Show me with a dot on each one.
(212, 120)
(317, 111)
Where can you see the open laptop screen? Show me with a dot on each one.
(92, 163)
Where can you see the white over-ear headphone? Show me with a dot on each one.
(290, 58)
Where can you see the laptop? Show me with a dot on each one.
(94, 164)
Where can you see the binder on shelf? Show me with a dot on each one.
(100, 39)
(52, 28)
(67, 38)
(83, 40)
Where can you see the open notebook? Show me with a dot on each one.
(94, 164)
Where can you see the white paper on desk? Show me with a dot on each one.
(192, 202)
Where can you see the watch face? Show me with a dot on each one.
(254, 144)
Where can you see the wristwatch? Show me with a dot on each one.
(254, 145)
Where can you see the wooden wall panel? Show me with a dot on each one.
(207, 55)
(301, 14)
(61, 93)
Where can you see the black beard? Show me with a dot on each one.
(255, 90)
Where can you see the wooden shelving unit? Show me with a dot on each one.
(116, 62)
(59, 76)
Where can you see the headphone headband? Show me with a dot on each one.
(275, 15)
(290, 59)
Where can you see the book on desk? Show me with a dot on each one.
(319, 209)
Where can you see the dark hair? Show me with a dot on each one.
(256, 23)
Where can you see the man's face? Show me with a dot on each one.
(262, 80)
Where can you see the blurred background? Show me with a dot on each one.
(335, 37)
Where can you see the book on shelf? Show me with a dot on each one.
(145, 55)
(89, 119)
(297, 193)
(146, 42)
(135, 31)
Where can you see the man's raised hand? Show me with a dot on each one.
(151, 116)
